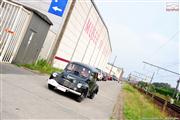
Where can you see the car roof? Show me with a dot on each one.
(100, 70)
(87, 66)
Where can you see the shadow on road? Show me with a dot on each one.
(6, 68)
(64, 94)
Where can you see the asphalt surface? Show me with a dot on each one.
(24, 95)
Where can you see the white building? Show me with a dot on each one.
(79, 35)
(114, 70)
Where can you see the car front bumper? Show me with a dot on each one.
(62, 88)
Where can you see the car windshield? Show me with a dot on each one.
(78, 70)
(99, 71)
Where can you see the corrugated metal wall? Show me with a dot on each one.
(43, 6)
(85, 38)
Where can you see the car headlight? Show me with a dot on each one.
(54, 74)
(79, 85)
(74, 81)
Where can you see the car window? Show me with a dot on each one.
(78, 70)
(85, 72)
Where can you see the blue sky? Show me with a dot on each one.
(143, 31)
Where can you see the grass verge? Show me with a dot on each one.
(138, 107)
(42, 66)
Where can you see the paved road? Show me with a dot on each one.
(24, 95)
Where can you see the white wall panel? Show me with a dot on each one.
(100, 37)
(85, 38)
(76, 43)
(43, 6)
(74, 32)
(93, 17)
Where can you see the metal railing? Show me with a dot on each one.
(14, 20)
(171, 109)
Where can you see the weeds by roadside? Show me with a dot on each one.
(42, 66)
(138, 107)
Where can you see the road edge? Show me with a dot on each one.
(117, 113)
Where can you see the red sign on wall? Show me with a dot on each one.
(92, 31)
(9, 31)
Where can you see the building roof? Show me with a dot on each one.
(38, 13)
(102, 21)
(41, 15)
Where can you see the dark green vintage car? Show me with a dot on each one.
(77, 78)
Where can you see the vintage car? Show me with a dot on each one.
(77, 78)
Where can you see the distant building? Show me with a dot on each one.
(114, 70)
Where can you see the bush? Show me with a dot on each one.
(164, 92)
(43, 66)
(137, 107)
(142, 84)
(42, 63)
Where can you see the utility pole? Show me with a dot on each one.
(167, 71)
(143, 75)
(151, 78)
(177, 86)
(112, 65)
(129, 77)
(150, 81)
(161, 68)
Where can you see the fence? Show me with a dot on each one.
(14, 20)
(171, 109)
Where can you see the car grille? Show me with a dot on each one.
(68, 84)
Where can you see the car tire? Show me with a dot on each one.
(50, 87)
(92, 95)
(81, 97)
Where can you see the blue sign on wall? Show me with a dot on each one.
(57, 7)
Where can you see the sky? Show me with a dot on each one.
(143, 31)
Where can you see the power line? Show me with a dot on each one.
(167, 76)
(161, 68)
(170, 39)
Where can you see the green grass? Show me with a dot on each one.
(138, 107)
(42, 66)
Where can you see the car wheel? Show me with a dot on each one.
(81, 97)
(50, 87)
(92, 95)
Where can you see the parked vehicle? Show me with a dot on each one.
(100, 74)
(109, 77)
(105, 76)
(77, 78)
(114, 78)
